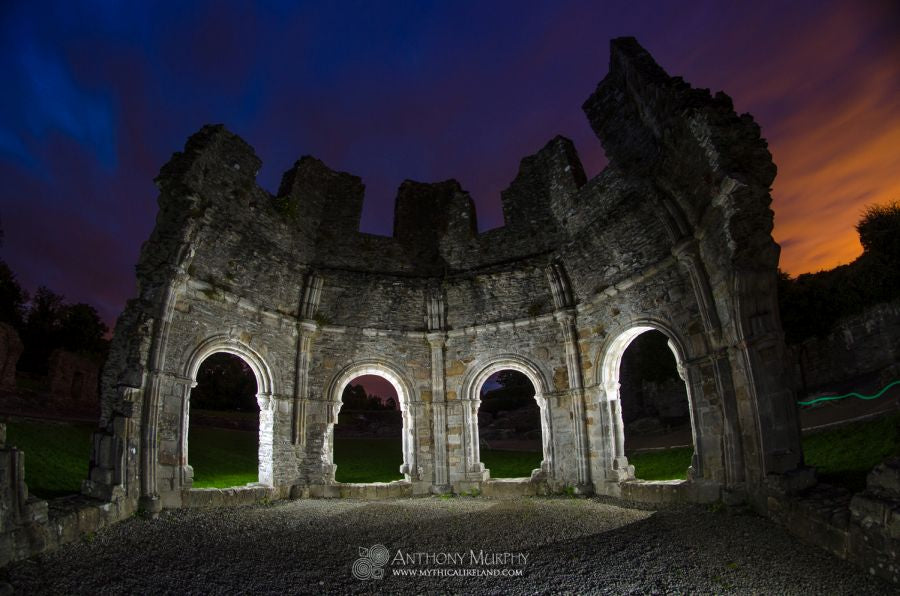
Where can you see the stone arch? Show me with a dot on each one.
(471, 386)
(264, 397)
(405, 396)
(607, 379)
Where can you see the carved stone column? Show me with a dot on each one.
(312, 295)
(563, 300)
(439, 410)
(267, 407)
(435, 319)
(687, 253)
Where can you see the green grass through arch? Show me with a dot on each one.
(57, 455)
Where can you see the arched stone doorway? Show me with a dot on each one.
(655, 408)
(405, 394)
(472, 396)
(509, 425)
(223, 424)
(264, 399)
(611, 403)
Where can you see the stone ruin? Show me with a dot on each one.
(674, 235)
(73, 379)
(10, 350)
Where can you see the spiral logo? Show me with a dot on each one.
(379, 555)
(362, 568)
(371, 562)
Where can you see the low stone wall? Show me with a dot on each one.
(858, 345)
(238, 495)
(352, 490)
(29, 525)
(670, 491)
(863, 528)
(512, 487)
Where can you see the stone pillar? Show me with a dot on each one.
(439, 411)
(547, 464)
(688, 255)
(566, 319)
(149, 500)
(267, 407)
(619, 468)
(306, 331)
(474, 469)
(564, 301)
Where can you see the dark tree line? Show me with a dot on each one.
(514, 390)
(225, 382)
(46, 321)
(813, 302)
(356, 398)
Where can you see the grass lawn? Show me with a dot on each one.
(510, 464)
(667, 464)
(368, 460)
(57, 454)
(223, 457)
(378, 460)
(844, 456)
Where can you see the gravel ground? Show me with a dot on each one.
(572, 545)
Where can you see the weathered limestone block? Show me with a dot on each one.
(10, 350)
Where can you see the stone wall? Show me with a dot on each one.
(864, 344)
(863, 528)
(674, 235)
(73, 379)
(10, 350)
(30, 525)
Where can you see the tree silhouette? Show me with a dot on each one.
(224, 382)
(813, 302)
(12, 298)
(356, 398)
(514, 391)
(50, 323)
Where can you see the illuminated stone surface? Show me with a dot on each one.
(674, 235)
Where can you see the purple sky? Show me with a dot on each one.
(98, 95)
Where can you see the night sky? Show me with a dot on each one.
(98, 95)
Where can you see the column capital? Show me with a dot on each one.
(565, 315)
(686, 250)
(308, 326)
(437, 339)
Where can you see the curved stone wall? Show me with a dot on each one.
(673, 235)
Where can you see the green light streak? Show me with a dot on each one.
(856, 395)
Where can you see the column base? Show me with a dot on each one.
(150, 505)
